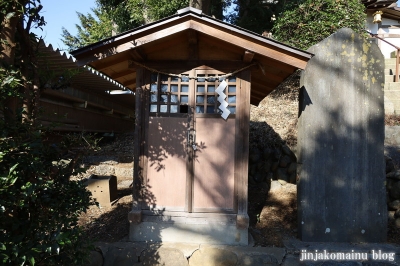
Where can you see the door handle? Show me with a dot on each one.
(192, 138)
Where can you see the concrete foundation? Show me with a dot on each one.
(199, 232)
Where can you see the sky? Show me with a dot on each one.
(62, 13)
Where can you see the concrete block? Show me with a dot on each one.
(389, 71)
(104, 169)
(389, 106)
(390, 61)
(341, 190)
(393, 94)
(242, 221)
(103, 189)
(396, 106)
(392, 135)
(135, 216)
(124, 171)
(392, 86)
(389, 78)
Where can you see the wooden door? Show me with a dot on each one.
(214, 163)
(167, 157)
(184, 112)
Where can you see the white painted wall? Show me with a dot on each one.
(376, 28)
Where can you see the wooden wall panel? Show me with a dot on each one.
(69, 118)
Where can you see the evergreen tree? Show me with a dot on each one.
(313, 20)
(90, 30)
(258, 15)
(123, 15)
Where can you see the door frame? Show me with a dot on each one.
(241, 141)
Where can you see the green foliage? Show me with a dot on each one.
(118, 16)
(256, 15)
(314, 20)
(91, 29)
(128, 14)
(39, 205)
(10, 82)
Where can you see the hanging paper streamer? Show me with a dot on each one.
(221, 99)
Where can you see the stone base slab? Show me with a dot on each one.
(185, 254)
(199, 233)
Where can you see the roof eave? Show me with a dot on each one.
(196, 14)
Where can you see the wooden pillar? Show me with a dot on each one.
(140, 159)
(242, 147)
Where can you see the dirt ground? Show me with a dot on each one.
(108, 224)
(273, 218)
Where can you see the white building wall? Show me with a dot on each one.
(386, 33)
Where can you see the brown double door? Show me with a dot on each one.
(190, 147)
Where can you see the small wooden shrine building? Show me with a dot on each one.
(194, 78)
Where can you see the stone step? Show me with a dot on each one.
(396, 106)
(389, 78)
(388, 106)
(392, 94)
(389, 71)
(389, 86)
(390, 61)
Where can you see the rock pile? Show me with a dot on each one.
(113, 157)
(272, 133)
(393, 191)
(266, 164)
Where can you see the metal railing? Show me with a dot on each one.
(396, 77)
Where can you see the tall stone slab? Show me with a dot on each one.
(341, 187)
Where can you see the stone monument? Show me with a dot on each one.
(341, 185)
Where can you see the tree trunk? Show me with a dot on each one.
(27, 71)
(203, 5)
(7, 56)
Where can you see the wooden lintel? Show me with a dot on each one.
(81, 105)
(185, 65)
(248, 56)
